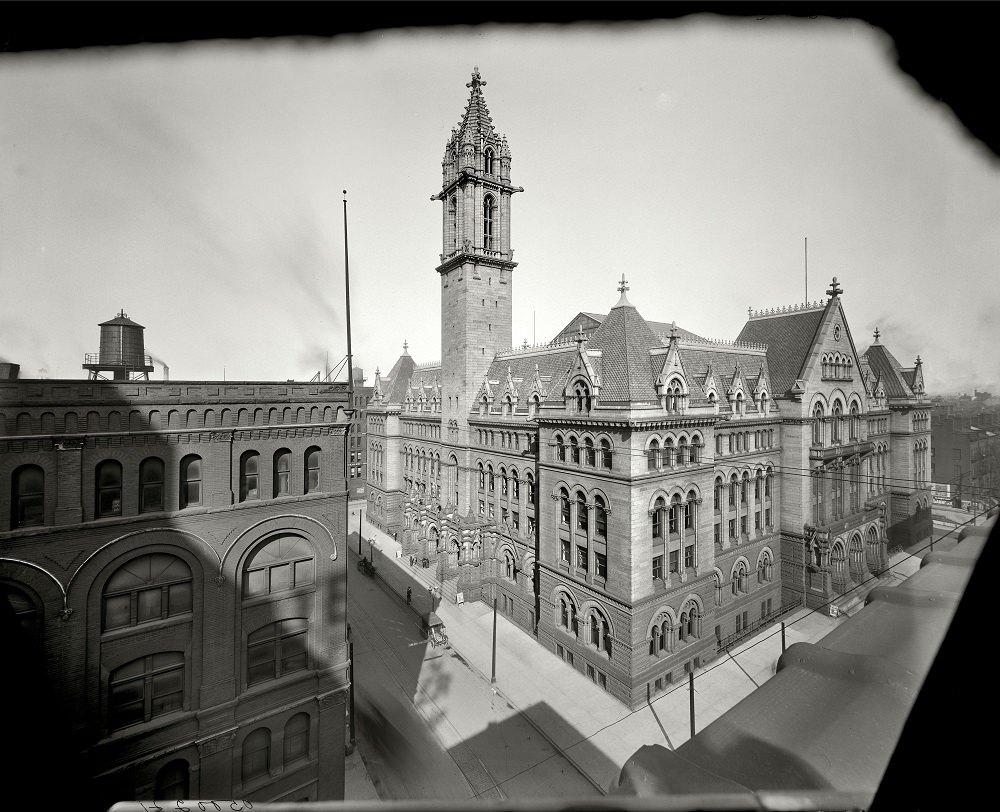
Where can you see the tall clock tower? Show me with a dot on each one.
(476, 260)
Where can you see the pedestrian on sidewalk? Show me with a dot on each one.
(409, 595)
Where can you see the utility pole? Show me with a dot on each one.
(691, 688)
(493, 673)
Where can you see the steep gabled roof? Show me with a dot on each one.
(553, 366)
(889, 371)
(789, 338)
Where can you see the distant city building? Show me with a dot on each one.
(635, 496)
(357, 442)
(966, 460)
(171, 552)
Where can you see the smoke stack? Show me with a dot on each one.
(166, 372)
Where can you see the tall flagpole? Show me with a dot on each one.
(350, 362)
(807, 279)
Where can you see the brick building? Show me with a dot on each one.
(173, 556)
(635, 496)
(357, 442)
(966, 458)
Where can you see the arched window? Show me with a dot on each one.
(490, 478)
(668, 452)
(674, 514)
(489, 212)
(145, 688)
(297, 738)
(151, 485)
(27, 499)
(530, 478)
(257, 754)
(581, 512)
(838, 422)
(682, 451)
(764, 568)
(277, 649)
(282, 472)
(574, 446)
(717, 494)
(560, 449)
(482, 477)
(818, 424)
(564, 506)
(312, 459)
(653, 455)
(718, 588)
(659, 506)
(488, 159)
(453, 221)
(740, 578)
(855, 427)
(588, 447)
(109, 488)
(600, 518)
(282, 564)
(606, 454)
(249, 475)
(148, 588)
(190, 485)
(172, 781)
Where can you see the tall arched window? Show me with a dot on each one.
(489, 212)
(257, 754)
(600, 518)
(718, 588)
(564, 506)
(151, 485)
(488, 159)
(312, 470)
(172, 781)
(838, 422)
(588, 448)
(658, 508)
(653, 455)
(574, 446)
(581, 512)
(249, 475)
(818, 424)
(560, 449)
(606, 454)
(27, 498)
(282, 472)
(453, 221)
(109, 488)
(282, 564)
(190, 484)
(297, 738)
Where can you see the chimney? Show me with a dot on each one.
(166, 372)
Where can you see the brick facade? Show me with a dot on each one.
(153, 680)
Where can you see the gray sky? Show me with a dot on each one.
(198, 187)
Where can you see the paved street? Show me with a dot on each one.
(428, 725)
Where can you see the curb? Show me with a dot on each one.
(398, 563)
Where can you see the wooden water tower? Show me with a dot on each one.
(123, 352)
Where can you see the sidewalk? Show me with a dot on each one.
(592, 729)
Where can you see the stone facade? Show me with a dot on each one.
(635, 496)
(172, 551)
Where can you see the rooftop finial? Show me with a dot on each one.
(877, 334)
(835, 289)
(405, 346)
(477, 81)
(580, 338)
(622, 288)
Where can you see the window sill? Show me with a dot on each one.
(146, 627)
